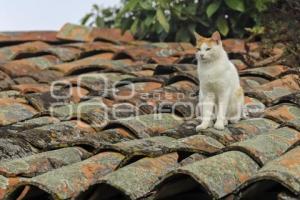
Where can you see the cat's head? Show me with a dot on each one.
(208, 49)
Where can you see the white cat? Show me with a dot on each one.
(220, 89)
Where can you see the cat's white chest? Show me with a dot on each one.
(210, 75)
(214, 79)
(213, 84)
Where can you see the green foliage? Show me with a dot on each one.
(176, 20)
(100, 17)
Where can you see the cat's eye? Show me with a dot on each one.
(208, 49)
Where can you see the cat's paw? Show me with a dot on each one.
(219, 125)
(201, 127)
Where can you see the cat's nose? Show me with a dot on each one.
(201, 55)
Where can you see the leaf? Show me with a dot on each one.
(237, 5)
(129, 6)
(107, 12)
(146, 5)
(99, 22)
(191, 9)
(261, 5)
(96, 7)
(162, 20)
(134, 26)
(149, 20)
(212, 8)
(183, 35)
(203, 22)
(222, 26)
(163, 3)
(125, 25)
(192, 28)
(85, 19)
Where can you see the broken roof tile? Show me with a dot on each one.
(214, 177)
(43, 162)
(81, 33)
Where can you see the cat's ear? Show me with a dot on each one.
(197, 36)
(216, 37)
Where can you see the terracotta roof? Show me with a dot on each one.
(90, 113)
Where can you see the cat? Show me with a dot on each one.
(220, 90)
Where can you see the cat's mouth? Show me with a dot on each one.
(202, 58)
(205, 60)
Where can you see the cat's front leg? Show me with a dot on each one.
(207, 107)
(222, 121)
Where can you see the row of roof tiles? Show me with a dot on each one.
(62, 139)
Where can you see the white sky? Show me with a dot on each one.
(17, 15)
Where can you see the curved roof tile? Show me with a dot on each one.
(219, 176)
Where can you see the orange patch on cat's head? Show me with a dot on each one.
(215, 39)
